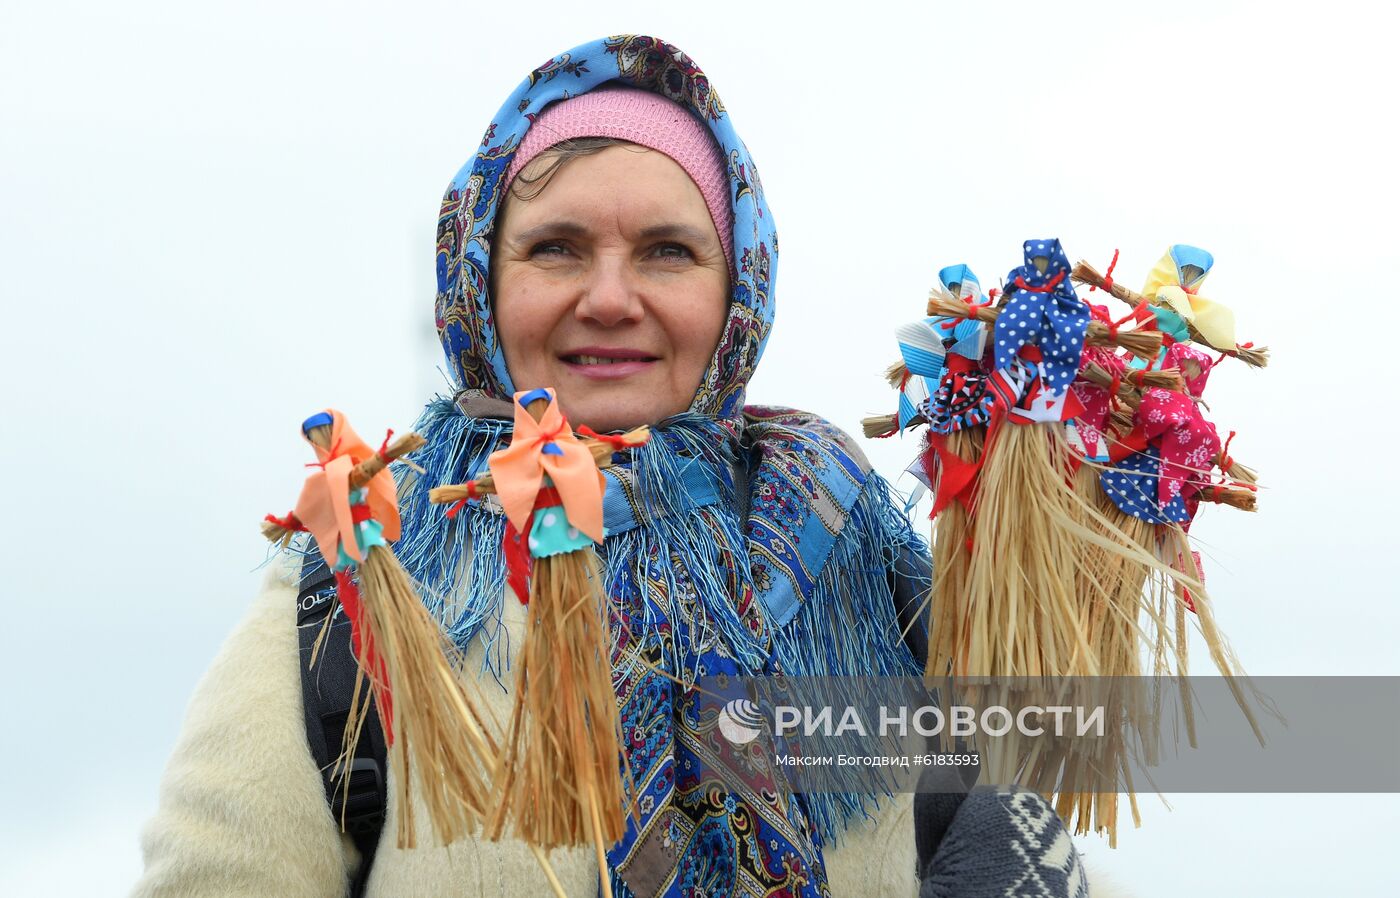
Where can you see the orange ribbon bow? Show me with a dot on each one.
(324, 504)
(548, 447)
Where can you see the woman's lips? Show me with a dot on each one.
(607, 365)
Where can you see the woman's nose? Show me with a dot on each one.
(610, 293)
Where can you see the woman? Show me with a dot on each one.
(610, 239)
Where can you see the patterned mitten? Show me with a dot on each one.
(994, 844)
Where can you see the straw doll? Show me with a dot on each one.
(1020, 558)
(437, 739)
(1006, 434)
(559, 777)
(940, 384)
(1159, 473)
(1158, 467)
(1170, 302)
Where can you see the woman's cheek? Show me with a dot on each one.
(523, 313)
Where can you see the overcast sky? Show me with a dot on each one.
(215, 217)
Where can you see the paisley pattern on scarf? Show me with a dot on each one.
(739, 540)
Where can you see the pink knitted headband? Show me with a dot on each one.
(646, 119)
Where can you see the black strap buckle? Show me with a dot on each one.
(361, 802)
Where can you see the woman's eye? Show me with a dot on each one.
(548, 248)
(672, 251)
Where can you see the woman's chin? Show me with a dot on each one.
(611, 419)
(604, 416)
(616, 405)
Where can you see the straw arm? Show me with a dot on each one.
(1084, 273)
(485, 485)
(949, 307)
(1141, 343)
(275, 531)
(364, 472)
(1253, 356)
(1138, 342)
(1236, 471)
(1245, 500)
(1166, 378)
(880, 426)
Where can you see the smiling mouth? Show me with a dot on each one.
(590, 360)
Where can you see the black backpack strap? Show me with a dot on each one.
(327, 688)
(911, 579)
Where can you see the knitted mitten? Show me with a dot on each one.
(994, 843)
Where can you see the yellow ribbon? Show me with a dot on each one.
(1212, 320)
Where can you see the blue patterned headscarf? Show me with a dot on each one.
(469, 208)
(740, 540)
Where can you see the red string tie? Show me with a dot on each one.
(383, 451)
(1050, 285)
(1113, 401)
(1108, 275)
(334, 453)
(289, 522)
(1226, 462)
(456, 507)
(971, 312)
(1100, 314)
(551, 435)
(619, 441)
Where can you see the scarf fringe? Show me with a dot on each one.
(848, 627)
(462, 588)
(709, 550)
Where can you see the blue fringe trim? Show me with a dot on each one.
(848, 626)
(706, 543)
(462, 588)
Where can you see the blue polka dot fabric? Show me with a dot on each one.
(1043, 310)
(1132, 486)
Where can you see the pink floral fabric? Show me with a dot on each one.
(1188, 443)
(1193, 363)
(1096, 400)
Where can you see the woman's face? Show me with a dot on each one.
(610, 286)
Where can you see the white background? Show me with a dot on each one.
(215, 217)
